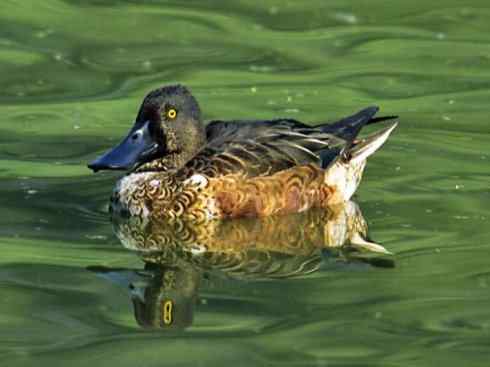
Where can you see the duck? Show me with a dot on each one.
(178, 166)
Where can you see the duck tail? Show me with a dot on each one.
(345, 172)
(349, 127)
(361, 149)
(381, 119)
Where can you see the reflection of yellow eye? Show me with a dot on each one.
(167, 312)
(172, 113)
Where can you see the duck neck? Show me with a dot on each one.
(180, 151)
(170, 162)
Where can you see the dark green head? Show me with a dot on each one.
(168, 124)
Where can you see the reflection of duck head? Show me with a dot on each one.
(168, 301)
(177, 253)
(163, 296)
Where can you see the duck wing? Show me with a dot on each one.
(256, 148)
(247, 128)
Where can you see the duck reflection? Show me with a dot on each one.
(180, 255)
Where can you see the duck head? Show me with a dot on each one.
(168, 126)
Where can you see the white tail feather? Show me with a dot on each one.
(358, 242)
(345, 176)
(367, 146)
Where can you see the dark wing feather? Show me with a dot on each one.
(264, 147)
(247, 128)
(258, 148)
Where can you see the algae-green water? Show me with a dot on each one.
(72, 76)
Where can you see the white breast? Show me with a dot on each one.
(123, 199)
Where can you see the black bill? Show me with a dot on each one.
(140, 146)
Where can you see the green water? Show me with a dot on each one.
(72, 76)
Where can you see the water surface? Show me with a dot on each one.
(73, 75)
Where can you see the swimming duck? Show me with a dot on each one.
(180, 167)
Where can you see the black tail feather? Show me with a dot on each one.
(349, 127)
(380, 119)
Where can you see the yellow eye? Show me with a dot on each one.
(172, 113)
